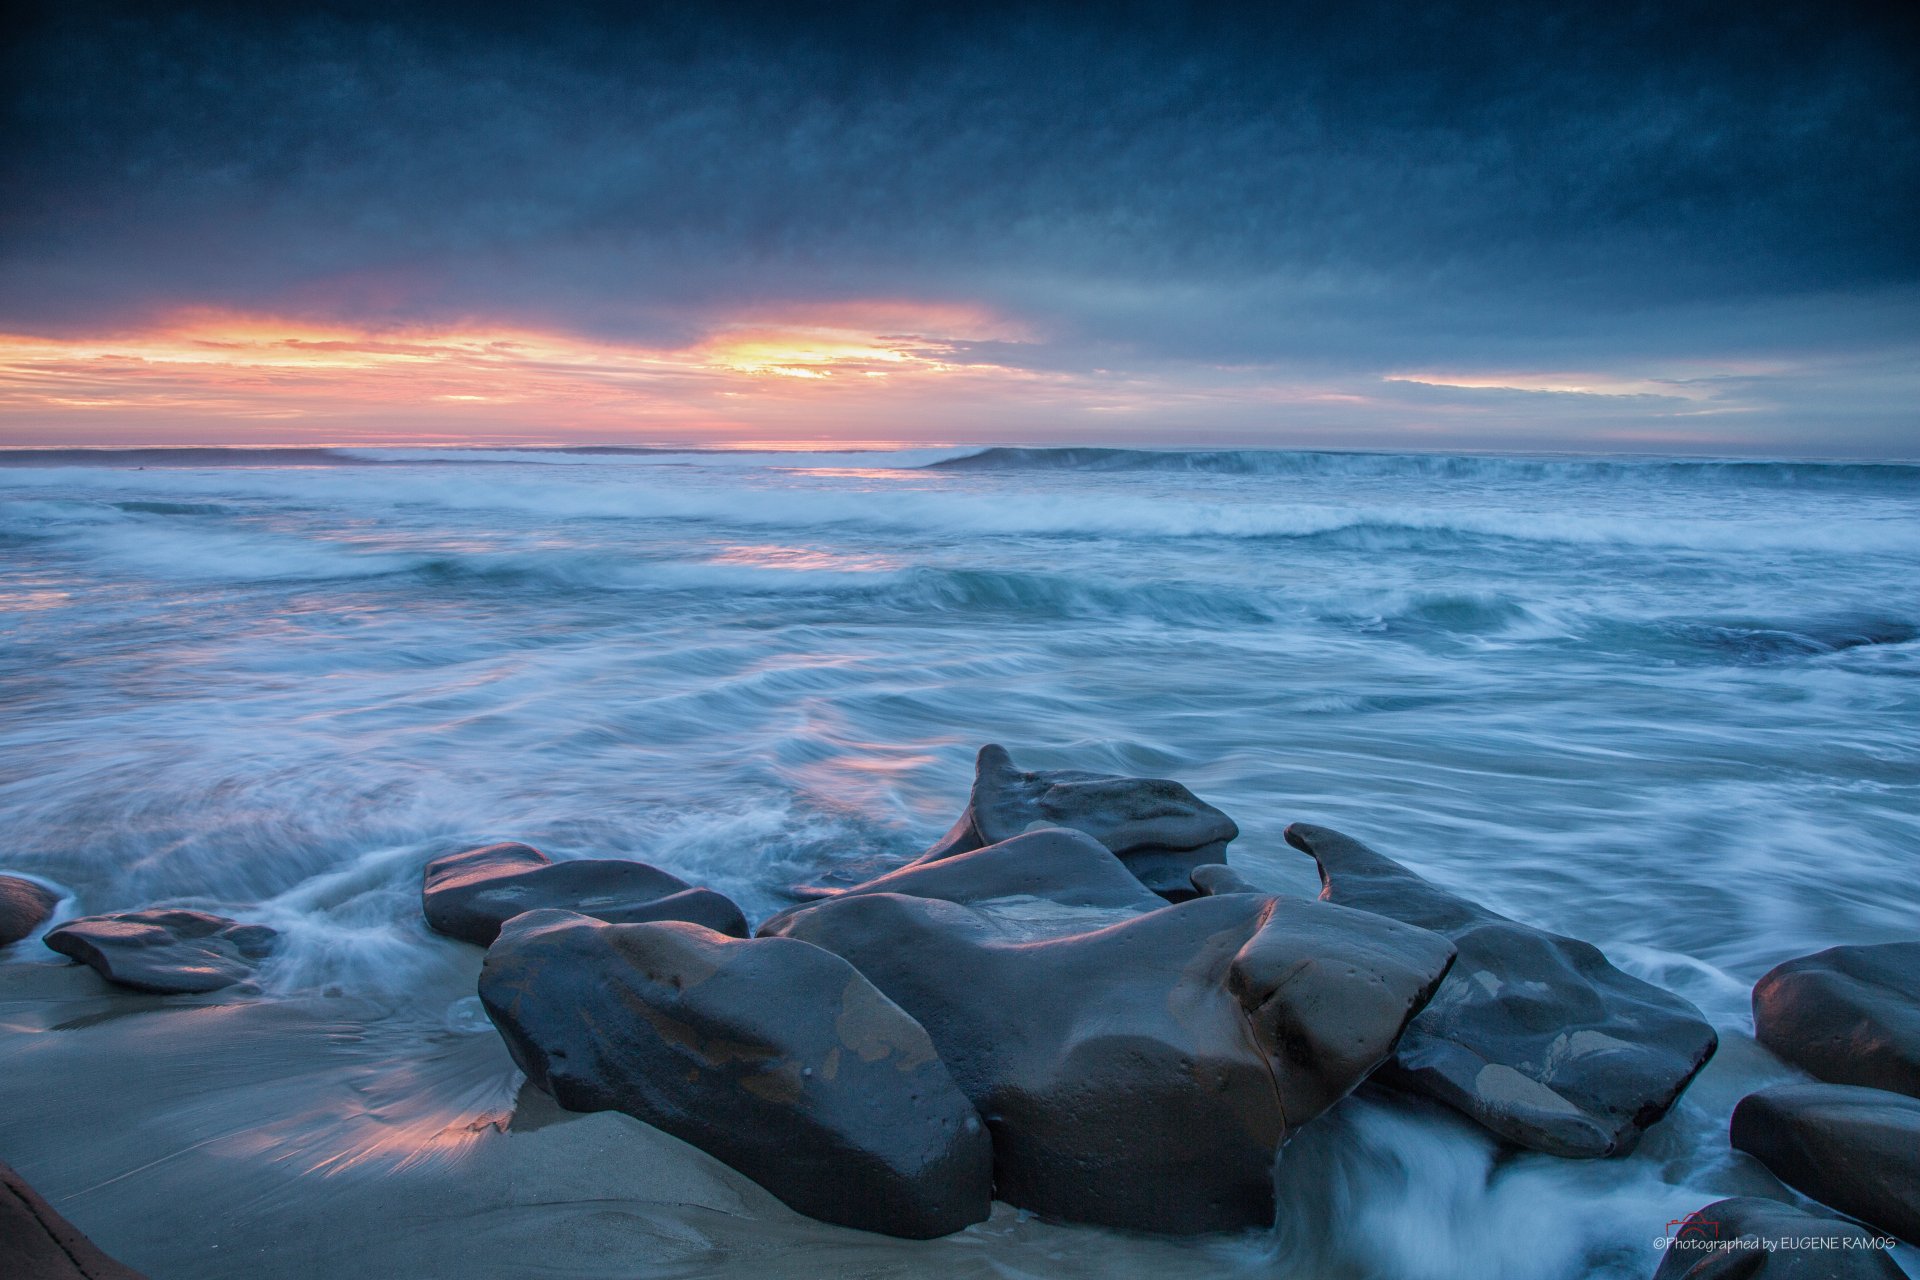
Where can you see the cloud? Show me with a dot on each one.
(1323, 195)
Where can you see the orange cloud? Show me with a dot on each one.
(1681, 382)
(478, 382)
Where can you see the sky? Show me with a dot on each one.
(1665, 227)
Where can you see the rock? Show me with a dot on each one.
(1159, 829)
(771, 1055)
(38, 1244)
(1849, 1015)
(24, 907)
(1747, 1238)
(1217, 877)
(470, 895)
(1855, 1149)
(1533, 1035)
(1054, 865)
(1140, 1069)
(166, 951)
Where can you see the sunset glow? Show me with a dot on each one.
(208, 372)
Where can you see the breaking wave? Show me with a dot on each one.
(1436, 466)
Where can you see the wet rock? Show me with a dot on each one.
(470, 895)
(1159, 829)
(24, 907)
(1217, 877)
(1747, 1238)
(1855, 1149)
(1140, 1069)
(1534, 1035)
(163, 951)
(771, 1055)
(38, 1244)
(1065, 868)
(1849, 1015)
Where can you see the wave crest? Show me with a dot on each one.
(1310, 462)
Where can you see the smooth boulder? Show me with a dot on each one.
(469, 895)
(25, 905)
(1848, 1015)
(1141, 1069)
(1533, 1035)
(1855, 1149)
(1747, 1238)
(38, 1244)
(163, 951)
(1159, 829)
(771, 1055)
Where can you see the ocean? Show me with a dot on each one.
(1670, 706)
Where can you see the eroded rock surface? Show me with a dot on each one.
(1534, 1035)
(771, 1055)
(168, 952)
(1159, 829)
(1849, 1015)
(469, 895)
(1139, 1068)
(1855, 1149)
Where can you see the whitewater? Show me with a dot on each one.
(1670, 706)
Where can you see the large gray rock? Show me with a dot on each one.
(1849, 1015)
(24, 907)
(1140, 1069)
(771, 1055)
(1159, 829)
(38, 1244)
(1853, 1148)
(1747, 1238)
(469, 895)
(168, 952)
(1053, 865)
(1534, 1035)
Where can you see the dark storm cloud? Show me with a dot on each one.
(1351, 185)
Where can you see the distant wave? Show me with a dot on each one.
(207, 456)
(947, 513)
(1762, 473)
(1309, 462)
(413, 455)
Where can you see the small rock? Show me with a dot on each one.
(38, 1244)
(24, 907)
(470, 895)
(1747, 1238)
(1217, 878)
(1534, 1035)
(1159, 829)
(1848, 1015)
(771, 1055)
(165, 951)
(1855, 1149)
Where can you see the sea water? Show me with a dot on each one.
(1668, 706)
